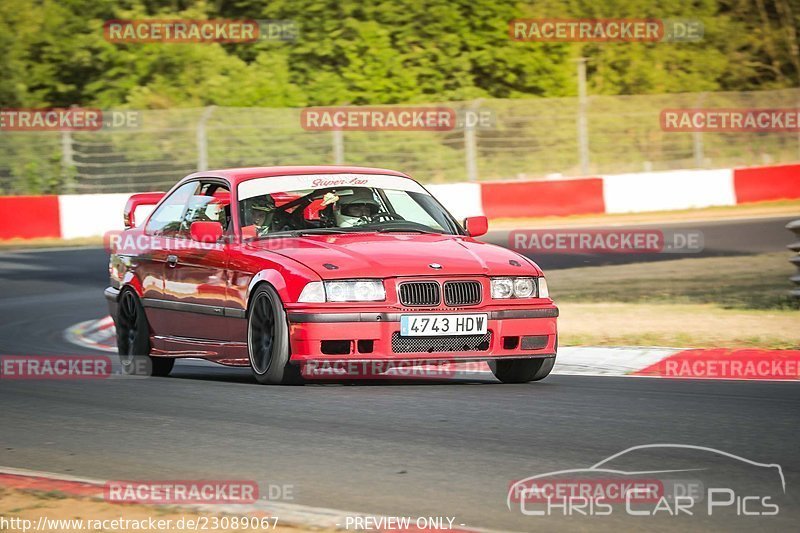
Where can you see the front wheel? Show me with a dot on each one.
(522, 370)
(268, 340)
(133, 340)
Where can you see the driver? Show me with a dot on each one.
(258, 211)
(356, 209)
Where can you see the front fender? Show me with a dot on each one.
(272, 277)
(278, 280)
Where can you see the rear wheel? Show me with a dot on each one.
(268, 340)
(133, 340)
(522, 370)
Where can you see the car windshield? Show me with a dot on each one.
(293, 205)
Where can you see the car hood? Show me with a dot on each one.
(374, 255)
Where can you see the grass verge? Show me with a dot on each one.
(688, 326)
(731, 302)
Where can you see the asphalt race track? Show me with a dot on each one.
(722, 238)
(431, 449)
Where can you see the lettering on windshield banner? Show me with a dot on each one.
(338, 182)
(304, 182)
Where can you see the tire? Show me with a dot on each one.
(522, 370)
(133, 340)
(268, 340)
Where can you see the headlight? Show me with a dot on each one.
(362, 290)
(524, 287)
(502, 288)
(518, 288)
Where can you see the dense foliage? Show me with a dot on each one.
(53, 53)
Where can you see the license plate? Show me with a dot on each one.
(435, 325)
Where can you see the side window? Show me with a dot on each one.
(166, 220)
(211, 203)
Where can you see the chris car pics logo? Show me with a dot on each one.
(684, 481)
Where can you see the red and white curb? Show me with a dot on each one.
(94, 334)
(65, 216)
(704, 363)
(288, 513)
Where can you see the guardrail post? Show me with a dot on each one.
(697, 144)
(338, 147)
(697, 138)
(67, 161)
(202, 139)
(794, 227)
(471, 143)
(583, 123)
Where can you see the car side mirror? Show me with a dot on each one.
(206, 231)
(476, 226)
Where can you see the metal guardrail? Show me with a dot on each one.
(525, 138)
(794, 226)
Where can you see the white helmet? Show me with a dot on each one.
(351, 209)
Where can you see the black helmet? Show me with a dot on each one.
(263, 203)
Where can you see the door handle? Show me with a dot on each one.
(172, 260)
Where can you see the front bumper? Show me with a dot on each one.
(359, 336)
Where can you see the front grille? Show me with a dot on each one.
(452, 343)
(457, 293)
(419, 294)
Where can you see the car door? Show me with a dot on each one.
(195, 273)
(161, 226)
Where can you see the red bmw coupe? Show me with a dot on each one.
(279, 267)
